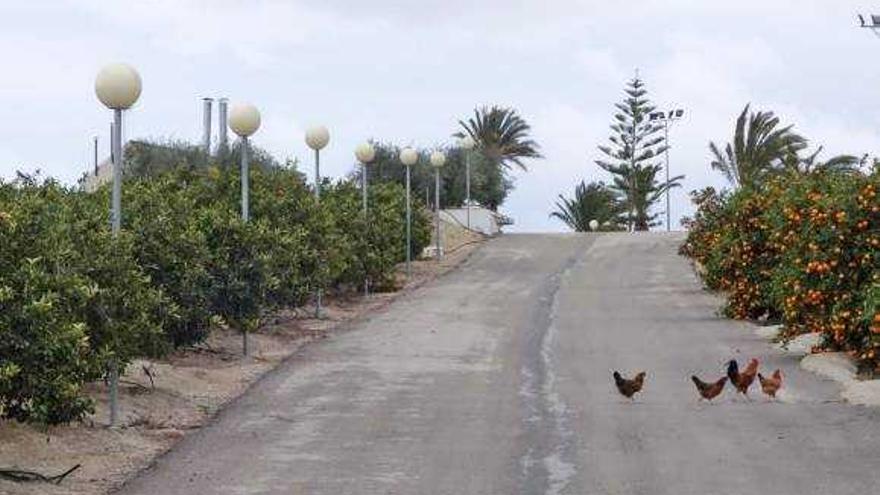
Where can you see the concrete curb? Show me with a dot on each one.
(837, 366)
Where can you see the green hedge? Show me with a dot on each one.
(73, 298)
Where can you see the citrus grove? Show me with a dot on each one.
(73, 298)
(799, 248)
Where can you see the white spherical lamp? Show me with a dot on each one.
(467, 143)
(317, 137)
(244, 119)
(118, 86)
(594, 225)
(438, 159)
(408, 156)
(365, 153)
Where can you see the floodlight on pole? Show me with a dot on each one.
(244, 120)
(317, 138)
(408, 157)
(118, 87)
(667, 118)
(467, 144)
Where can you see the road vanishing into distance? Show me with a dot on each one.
(496, 379)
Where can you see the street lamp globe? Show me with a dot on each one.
(118, 86)
(438, 159)
(408, 156)
(244, 119)
(467, 143)
(594, 225)
(317, 137)
(365, 153)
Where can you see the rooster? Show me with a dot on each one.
(742, 380)
(771, 385)
(628, 388)
(709, 391)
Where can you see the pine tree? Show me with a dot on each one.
(635, 143)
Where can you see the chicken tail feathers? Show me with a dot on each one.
(732, 370)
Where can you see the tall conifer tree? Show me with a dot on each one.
(632, 156)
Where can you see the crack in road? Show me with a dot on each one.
(547, 465)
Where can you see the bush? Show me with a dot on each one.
(800, 249)
(74, 298)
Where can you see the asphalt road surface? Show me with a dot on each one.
(496, 379)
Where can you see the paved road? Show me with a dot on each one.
(496, 380)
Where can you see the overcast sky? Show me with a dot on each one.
(405, 71)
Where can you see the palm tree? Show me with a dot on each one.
(837, 164)
(502, 135)
(759, 147)
(593, 201)
(642, 189)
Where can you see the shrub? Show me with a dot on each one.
(801, 249)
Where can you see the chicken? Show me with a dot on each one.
(771, 385)
(628, 388)
(709, 391)
(742, 380)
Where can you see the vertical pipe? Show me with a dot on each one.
(437, 209)
(408, 226)
(666, 141)
(467, 185)
(318, 292)
(222, 124)
(364, 189)
(206, 124)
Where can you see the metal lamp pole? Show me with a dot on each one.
(438, 158)
(365, 153)
(408, 157)
(244, 120)
(118, 87)
(467, 144)
(668, 118)
(317, 138)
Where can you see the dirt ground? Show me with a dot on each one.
(186, 390)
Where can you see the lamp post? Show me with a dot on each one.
(317, 138)
(667, 118)
(365, 153)
(408, 157)
(467, 144)
(437, 161)
(244, 120)
(118, 87)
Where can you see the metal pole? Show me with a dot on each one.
(437, 208)
(245, 213)
(364, 190)
(115, 226)
(96, 156)
(222, 146)
(206, 124)
(318, 292)
(408, 227)
(467, 185)
(666, 140)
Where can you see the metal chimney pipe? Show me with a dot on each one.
(223, 125)
(206, 137)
